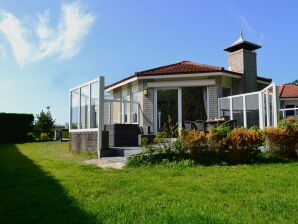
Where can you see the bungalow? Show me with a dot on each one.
(183, 91)
(288, 96)
(187, 90)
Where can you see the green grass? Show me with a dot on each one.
(45, 183)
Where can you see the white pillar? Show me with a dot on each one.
(231, 108)
(179, 109)
(70, 111)
(244, 112)
(79, 120)
(100, 114)
(155, 111)
(261, 110)
(275, 105)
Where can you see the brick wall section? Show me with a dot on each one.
(236, 86)
(86, 141)
(83, 141)
(116, 107)
(215, 92)
(244, 61)
(146, 106)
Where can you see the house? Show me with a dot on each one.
(288, 96)
(186, 90)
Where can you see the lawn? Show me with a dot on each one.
(45, 183)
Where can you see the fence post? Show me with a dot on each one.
(275, 105)
(231, 108)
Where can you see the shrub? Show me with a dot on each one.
(44, 137)
(282, 140)
(193, 141)
(14, 128)
(65, 133)
(169, 129)
(217, 137)
(243, 145)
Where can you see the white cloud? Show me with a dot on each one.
(251, 30)
(43, 41)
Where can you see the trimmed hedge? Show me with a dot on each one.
(15, 127)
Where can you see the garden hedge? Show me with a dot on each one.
(15, 127)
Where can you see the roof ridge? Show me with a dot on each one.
(212, 66)
(164, 66)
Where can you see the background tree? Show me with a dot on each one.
(44, 121)
(295, 82)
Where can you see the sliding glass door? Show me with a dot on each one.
(194, 103)
(167, 106)
(179, 105)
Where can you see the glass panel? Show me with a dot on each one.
(252, 110)
(224, 106)
(94, 104)
(125, 109)
(84, 107)
(134, 107)
(238, 110)
(167, 107)
(75, 101)
(264, 108)
(270, 92)
(194, 105)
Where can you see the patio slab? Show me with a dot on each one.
(108, 162)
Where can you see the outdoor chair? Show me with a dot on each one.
(200, 125)
(187, 125)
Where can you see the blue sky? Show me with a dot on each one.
(50, 46)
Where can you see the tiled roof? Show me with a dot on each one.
(182, 67)
(288, 91)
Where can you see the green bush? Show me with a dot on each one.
(65, 133)
(44, 137)
(243, 145)
(14, 128)
(282, 140)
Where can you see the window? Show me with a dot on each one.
(84, 107)
(290, 112)
(134, 107)
(75, 101)
(94, 104)
(226, 91)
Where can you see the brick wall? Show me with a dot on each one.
(86, 141)
(244, 61)
(146, 106)
(214, 92)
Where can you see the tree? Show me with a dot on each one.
(44, 121)
(295, 82)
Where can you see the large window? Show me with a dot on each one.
(75, 103)
(94, 105)
(84, 107)
(134, 107)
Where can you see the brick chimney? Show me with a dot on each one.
(242, 58)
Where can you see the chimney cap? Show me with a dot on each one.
(241, 43)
